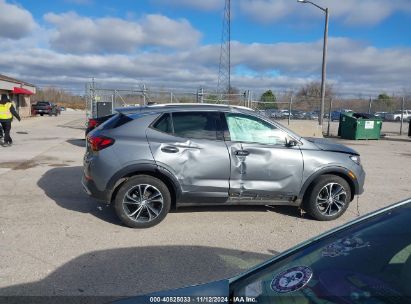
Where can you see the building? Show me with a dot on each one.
(19, 92)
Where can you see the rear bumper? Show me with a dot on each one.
(90, 188)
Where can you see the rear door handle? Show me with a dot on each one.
(169, 149)
(242, 153)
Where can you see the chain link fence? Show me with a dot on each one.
(395, 111)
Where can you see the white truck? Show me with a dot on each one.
(396, 116)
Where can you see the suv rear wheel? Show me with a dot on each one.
(328, 198)
(142, 202)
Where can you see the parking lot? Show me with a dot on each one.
(55, 240)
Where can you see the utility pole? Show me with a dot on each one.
(324, 63)
(324, 68)
(369, 105)
(402, 113)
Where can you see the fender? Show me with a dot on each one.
(332, 169)
(150, 167)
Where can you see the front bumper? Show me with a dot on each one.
(360, 180)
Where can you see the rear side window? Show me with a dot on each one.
(164, 124)
(115, 122)
(197, 125)
(200, 125)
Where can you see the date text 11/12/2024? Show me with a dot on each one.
(202, 299)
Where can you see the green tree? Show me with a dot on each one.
(383, 96)
(385, 102)
(268, 101)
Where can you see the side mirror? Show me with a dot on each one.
(291, 143)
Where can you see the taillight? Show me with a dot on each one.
(98, 143)
(92, 123)
(48, 107)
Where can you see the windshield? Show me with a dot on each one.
(366, 263)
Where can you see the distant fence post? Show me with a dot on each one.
(369, 105)
(402, 113)
(144, 94)
(250, 97)
(289, 109)
(329, 116)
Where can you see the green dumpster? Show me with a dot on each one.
(360, 126)
(341, 116)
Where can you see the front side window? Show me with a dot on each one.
(244, 128)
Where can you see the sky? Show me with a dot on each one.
(175, 44)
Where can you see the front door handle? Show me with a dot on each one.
(169, 149)
(241, 153)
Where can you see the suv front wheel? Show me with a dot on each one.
(328, 198)
(142, 202)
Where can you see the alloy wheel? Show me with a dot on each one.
(143, 203)
(331, 199)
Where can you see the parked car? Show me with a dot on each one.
(365, 261)
(45, 107)
(285, 114)
(277, 114)
(298, 114)
(335, 115)
(167, 156)
(396, 116)
(312, 115)
(381, 115)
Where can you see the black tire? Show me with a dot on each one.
(315, 203)
(131, 187)
(41, 114)
(398, 119)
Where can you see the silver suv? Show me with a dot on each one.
(150, 159)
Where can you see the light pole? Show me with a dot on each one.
(324, 65)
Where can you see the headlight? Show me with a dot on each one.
(356, 159)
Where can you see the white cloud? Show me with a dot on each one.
(77, 34)
(350, 12)
(352, 66)
(15, 21)
(204, 5)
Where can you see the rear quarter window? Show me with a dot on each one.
(115, 122)
(163, 124)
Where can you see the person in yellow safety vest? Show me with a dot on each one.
(7, 111)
